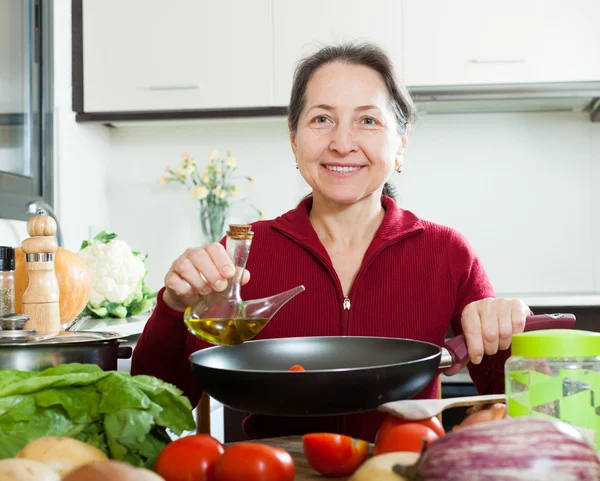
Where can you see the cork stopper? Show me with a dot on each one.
(240, 232)
(41, 228)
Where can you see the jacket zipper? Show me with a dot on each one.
(346, 303)
(364, 268)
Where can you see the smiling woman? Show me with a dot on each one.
(370, 268)
(391, 107)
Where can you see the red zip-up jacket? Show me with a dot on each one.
(414, 282)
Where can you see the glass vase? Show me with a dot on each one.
(212, 223)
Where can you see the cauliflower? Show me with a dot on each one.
(118, 277)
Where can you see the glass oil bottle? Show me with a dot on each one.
(223, 318)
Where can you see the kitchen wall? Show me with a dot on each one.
(507, 181)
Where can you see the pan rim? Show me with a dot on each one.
(345, 369)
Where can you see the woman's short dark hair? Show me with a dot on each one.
(355, 53)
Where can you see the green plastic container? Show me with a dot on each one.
(555, 373)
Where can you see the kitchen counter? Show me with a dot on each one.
(293, 445)
(128, 326)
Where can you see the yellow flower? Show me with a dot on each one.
(253, 180)
(184, 156)
(186, 168)
(217, 191)
(198, 192)
(217, 170)
(162, 180)
(205, 177)
(213, 155)
(230, 161)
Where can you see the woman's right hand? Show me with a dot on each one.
(197, 272)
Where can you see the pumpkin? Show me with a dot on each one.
(74, 282)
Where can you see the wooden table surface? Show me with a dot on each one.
(293, 445)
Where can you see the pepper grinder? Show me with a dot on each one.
(40, 299)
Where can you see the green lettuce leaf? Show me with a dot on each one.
(125, 416)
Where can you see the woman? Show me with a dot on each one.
(369, 267)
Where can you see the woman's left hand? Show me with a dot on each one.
(489, 324)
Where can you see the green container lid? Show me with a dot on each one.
(556, 343)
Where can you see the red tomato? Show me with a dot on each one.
(191, 458)
(391, 421)
(334, 454)
(254, 462)
(296, 367)
(404, 437)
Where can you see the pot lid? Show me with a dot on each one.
(12, 333)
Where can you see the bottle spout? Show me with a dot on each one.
(267, 307)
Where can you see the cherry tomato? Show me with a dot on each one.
(404, 437)
(334, 454)
(296, 367)
(392, 421)
(192, 458)
(254, 462)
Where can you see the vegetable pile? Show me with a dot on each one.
(118, 278)
(126, 417)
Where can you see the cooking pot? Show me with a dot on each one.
(25, 350)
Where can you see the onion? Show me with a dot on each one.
(379, 468)
(512, 449)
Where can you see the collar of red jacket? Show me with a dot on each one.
(397, 223)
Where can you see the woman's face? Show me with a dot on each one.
(347, 141)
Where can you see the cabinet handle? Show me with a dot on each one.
(172, 87)
(497, 60)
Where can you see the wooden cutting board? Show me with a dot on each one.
(293, 445)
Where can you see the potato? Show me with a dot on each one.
(110, 470)
(150, 475)
(26, 470)
(61, 454)
(379, 468)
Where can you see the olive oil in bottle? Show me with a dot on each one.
(225, 332)
(223, 318)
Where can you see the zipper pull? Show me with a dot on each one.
(346, 303)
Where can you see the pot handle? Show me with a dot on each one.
(124, 352)
(457, 351)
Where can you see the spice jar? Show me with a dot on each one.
(555, 373)
(7, 280)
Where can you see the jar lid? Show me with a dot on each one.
(7, 258)
(550, 343)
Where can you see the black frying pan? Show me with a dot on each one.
(343, 374)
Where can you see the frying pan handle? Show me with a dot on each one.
(457, 347)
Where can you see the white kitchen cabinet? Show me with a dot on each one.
(152, 55)
(514, 41)
(302, 27)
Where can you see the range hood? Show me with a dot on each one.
(542, 97)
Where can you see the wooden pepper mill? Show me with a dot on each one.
(40, 299)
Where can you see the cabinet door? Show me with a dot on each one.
(513, 41)
(302, 27)
(144, 55)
